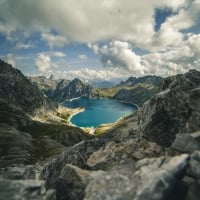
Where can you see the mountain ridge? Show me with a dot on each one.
(132, 89)
(151, 154)
(27, 117)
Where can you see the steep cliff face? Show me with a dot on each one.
(61, 90)
(138, 94)
(71, 89)
(46, 85)
(22, 139)
(138, 90)
(175, 109)
(153, 80)
(18, 92)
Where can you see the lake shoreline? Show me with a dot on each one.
(102, 127)
(73, 113)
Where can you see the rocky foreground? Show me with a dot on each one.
(153, 155)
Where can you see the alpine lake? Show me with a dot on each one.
(98, 111)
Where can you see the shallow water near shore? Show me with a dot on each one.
(98, 111)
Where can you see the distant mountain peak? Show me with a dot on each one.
(150, 79)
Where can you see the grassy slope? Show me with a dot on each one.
(137, 94)
(105, 92)
(48, 137)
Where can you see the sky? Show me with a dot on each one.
(100, 40)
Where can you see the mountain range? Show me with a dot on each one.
(153, 154)
(134, 90)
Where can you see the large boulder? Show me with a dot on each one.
(187, 143)
(151, 179)
(73, 181)
(175, 109)
(194, 164)
(22, 182)
(114, 153)
(76, 155)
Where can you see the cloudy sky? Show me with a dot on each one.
(101, 40)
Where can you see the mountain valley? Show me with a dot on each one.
(152, 154)
(134, 90)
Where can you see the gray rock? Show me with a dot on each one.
(22, 182)
(71, 89)
(21, 172)
(194, 163)
(46, 85)
(22, 189)
(138, 90)
(150, 179)
(175, 109)
(77, 155)
(113, 154)
(138, 95)
(187, 142)
(19, 93)
(12, 173)
(15, 146)
(73, 181)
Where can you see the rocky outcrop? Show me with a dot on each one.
(46, 85)
(77, 155)
(175, 109)
(61, 90)
(71, 89)
(17, 91)
(138, 90)
(152, 80)
(187, 142)
(15, 146)
(137, 95)
(115, 153)
(73, 181)
(131, 161)
(22, 139)
(150, 179)
(22, 182)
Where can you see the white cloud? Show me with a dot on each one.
(127, 23)
(22, 45)
(166, 37)
(182, 20)
(175, 4)
(176, 60)
(194, 44)
(6, 27)
(120, 54)
(54, 40)
(11, 59)
(181, 57)
(44, 62)
(57, 54)
(92, 74)
(82, 57)
(86, 21)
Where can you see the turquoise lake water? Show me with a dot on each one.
(98, 111)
